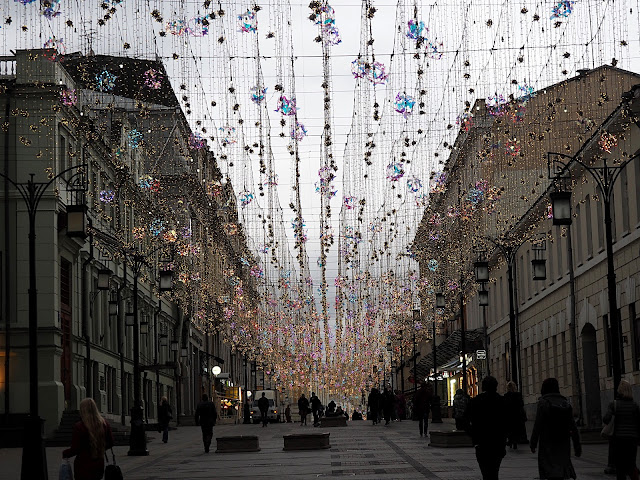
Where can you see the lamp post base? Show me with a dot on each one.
(34, 457)
(137, 437)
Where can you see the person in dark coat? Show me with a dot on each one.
(460, 404)
(263, 405)
(516, 416)
(388, 402)
(316, 409)
(401, 406)
(90, 439)
(373, 402)
(165, 414)
(485, 415)
(287, 414)
(626, 431)
(303, 408)
(553, 429)
(206, 416)
(421, 405)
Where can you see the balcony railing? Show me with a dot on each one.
(7, 67)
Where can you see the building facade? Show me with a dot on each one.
(155, 199)
(492, 202)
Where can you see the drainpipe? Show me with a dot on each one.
(85, 315)
(7, 257)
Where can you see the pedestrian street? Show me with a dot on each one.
(360, 450)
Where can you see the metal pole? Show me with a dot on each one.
(574, 330)
(486, 338)
(463, 340)
(415, 367)
(436, 412)
(611, 287)
(401, 366)
(512, 318)
(137, 438)
(34, 459)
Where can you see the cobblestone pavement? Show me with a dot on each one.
(360, 450)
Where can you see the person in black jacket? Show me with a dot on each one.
(165, 414)
(373, 402)
(316, 409)
(303, 408)
(626, 431)
(263, 405)
(206, 417)
(488, 429)
(516, 416)
(554, 427)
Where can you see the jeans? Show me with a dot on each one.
(489, 460)
(316, 417)
(165, 432)
(207, 436)
(264, 418)
(423, 422)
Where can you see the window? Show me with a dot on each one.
(554, 345)
(528, 276)
(634, 321)
(550, 257)
(559, 242)
(624, 193)
(600, 226)
(63, 158)
(539, 367)
(564, 357)
(636, 169)
(588, 223)
(578, 237)
(547, 368)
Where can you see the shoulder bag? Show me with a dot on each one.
(112, 470)
(608, 429)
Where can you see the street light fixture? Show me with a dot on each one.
(113, 308)
(481, 269)
(561, 207)
(104, 274)
(34, 459)
(166, 280)
(483, 296)
(440, 300)
(175, 346)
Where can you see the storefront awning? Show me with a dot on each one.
(448, 352)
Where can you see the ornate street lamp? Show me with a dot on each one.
(166, 280)
(104, 274)
(481, 269)
(561, 207)
(77, 220)
(483, 296)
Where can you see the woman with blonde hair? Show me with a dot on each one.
(626, 431)
(91, 437)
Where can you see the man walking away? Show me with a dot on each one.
(488, 429)
(206, 417)
(421, 403)
(164, 416)
(316, 407)
(303, 407)
(263, 405)
(460, 404)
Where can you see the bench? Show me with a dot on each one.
(240, 443)
(456, 438)
(338, 421)
(306, 441)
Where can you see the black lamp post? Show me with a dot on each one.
(137, 260)
(416, 318)
(605, 176)
(34, 460)
(481, 270)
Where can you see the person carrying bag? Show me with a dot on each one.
(112, 470)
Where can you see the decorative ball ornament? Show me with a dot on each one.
(395, 171)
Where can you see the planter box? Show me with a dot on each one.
(339, 421)
(241, 443)
(306, 441)
(454, 439)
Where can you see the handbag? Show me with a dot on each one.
(112, 470)
(608, 429)
(66, 472)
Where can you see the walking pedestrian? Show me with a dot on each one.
(316, 408)
(625, 414)
(303, 408)
(165, 414)
(90, 439)
(287, 413)
(206, 416)
(553, 429)
(421, 404)
(373, 403)
(488, 429)
(388, 401)
(460, 404)
(516, 416)
(263, 405)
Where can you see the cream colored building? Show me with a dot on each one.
(509, 153)
(149, 180)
